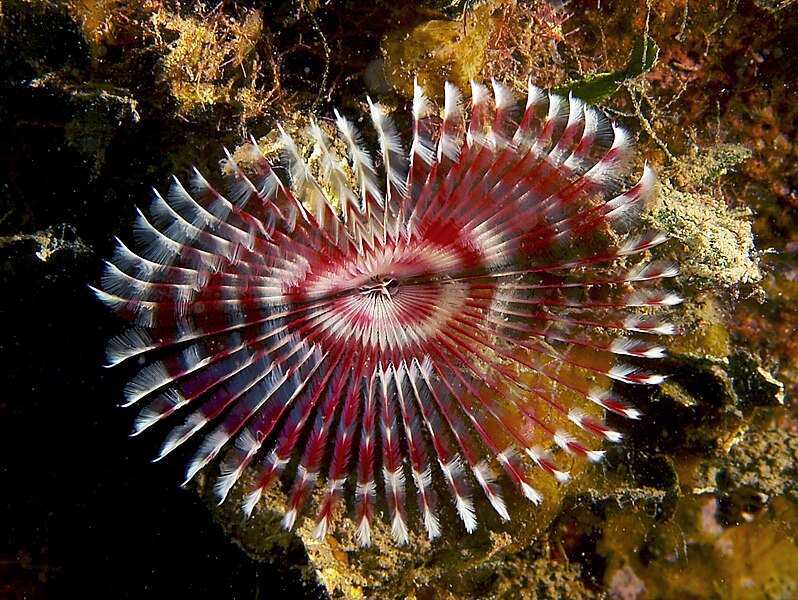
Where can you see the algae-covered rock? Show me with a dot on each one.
(441, 50)
(695, 556)
(764, 461)
(213, 59)
(718, 241)
(421, 568)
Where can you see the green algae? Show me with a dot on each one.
(599, 86)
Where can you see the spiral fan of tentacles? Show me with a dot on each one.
(460, 315)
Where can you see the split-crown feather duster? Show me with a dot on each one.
(466, 319)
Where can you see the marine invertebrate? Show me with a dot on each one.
(463, 319)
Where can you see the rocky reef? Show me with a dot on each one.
(103, 99)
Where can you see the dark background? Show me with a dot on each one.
(84, 512)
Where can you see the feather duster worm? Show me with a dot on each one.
(460, 313)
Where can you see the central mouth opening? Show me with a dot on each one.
(380, 285)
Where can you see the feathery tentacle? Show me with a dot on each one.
(465, 310)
